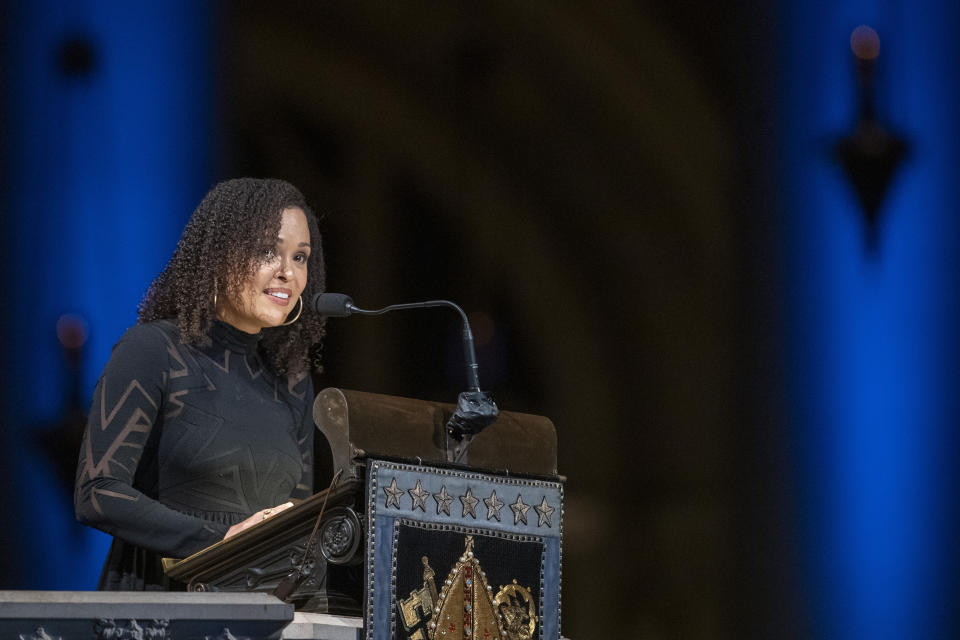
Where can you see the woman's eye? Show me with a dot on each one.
(300, 257)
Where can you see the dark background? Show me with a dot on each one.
(638, 206)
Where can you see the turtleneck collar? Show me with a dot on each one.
(233, 338)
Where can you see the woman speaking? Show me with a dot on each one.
(201, 423)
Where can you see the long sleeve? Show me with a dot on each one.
(305, 437)
(120, 437)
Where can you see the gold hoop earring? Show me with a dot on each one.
(298, 314)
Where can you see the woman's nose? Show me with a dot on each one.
(284, 269)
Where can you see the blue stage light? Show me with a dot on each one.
(109, 114)
(871, 337)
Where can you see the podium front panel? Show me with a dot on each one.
(455, 554)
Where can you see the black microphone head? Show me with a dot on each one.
(332, 305)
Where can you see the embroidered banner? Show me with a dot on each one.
(460, 555)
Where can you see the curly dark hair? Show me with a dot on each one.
(221, 247)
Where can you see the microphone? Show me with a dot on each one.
(475, 408)
(333, 305)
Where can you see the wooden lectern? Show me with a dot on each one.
(365, 434)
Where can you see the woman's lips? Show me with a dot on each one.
(276, 297)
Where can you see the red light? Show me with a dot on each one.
(865, 43)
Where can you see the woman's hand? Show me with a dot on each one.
(256, 518)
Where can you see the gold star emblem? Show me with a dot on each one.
(419, 497)
(443, 500)
(494, 504)
(469, 504)
(393, 494)
(520, 510)
(544, 511)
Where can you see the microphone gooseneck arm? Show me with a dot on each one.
(340, 305)
(473, 377)
(475, 408)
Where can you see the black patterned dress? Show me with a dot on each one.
(183, 442)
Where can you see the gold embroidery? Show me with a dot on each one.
(515, 604)
(465, 608)
(417, 610)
